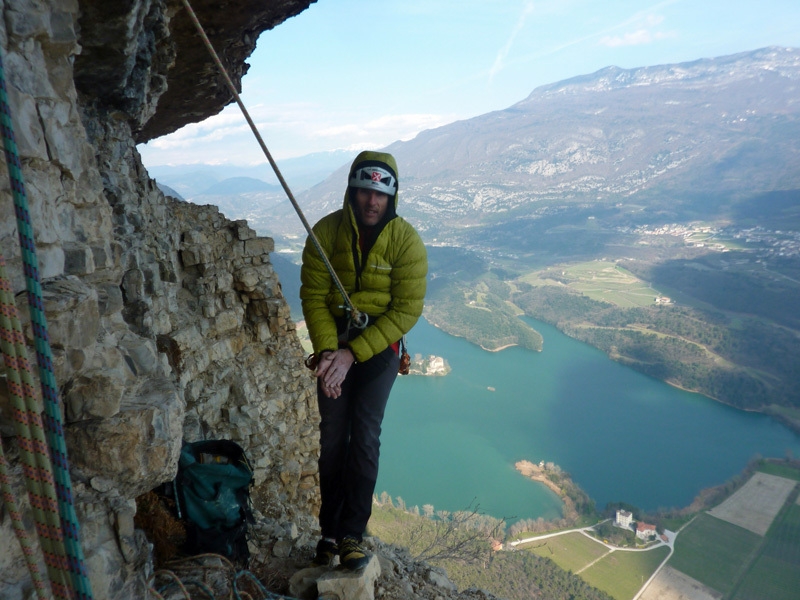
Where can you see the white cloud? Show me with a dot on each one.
(503, 53)
(644, 32)
(388, 128)
(287, 131)
(634, 38)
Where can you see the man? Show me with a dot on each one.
(382, 265)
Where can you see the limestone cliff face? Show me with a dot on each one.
(166, 319)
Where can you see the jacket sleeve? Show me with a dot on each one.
(315, 286)
(408, 287)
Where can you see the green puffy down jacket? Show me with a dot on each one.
(390, 287)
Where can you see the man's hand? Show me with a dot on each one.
(332, 369)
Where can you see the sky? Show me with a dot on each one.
(359, 74)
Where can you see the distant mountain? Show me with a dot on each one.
(300, 173)
(654, 144)
(682, 140)
(186, 183)
(168, 191)
(253, 192)
(240, 185)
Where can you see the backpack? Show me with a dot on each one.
(212, 491)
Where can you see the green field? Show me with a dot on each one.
(713, 551)
(619, 573)
(603, 281)
(571, 551)
(622, 573)
(780, 470)
(775, 574)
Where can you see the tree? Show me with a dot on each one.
(463, 536)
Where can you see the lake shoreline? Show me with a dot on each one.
(572, 404)
(539, 474)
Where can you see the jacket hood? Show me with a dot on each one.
(383, 160)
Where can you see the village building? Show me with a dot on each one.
(645, 531)
(624, 519)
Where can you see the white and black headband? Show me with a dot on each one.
(373, 177)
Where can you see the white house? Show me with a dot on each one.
(624, 519)
(644, 531)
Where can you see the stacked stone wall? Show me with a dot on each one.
(166, 319)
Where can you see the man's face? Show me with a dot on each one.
(370, 206)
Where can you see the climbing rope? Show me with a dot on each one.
(34, 454)
(358, 318)
(203, 572)
(67, 526)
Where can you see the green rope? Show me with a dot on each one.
(54, 428)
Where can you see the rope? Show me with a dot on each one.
(54, 429)
(183, 574)
(359, 319)
(33, 452)
(28, 548)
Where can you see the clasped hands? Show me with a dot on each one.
(332, 369)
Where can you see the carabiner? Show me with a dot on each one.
(360, 320)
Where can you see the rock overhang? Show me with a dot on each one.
(145, 58)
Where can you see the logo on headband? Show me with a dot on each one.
(374, 178)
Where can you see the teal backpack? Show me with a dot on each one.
(212, 492)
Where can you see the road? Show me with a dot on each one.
(670, 543)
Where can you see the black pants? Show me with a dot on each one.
(350, 445)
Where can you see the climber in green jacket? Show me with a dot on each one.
(382, 264)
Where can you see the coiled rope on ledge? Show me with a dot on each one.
(198, 573)
(358, 318)
(45, 463)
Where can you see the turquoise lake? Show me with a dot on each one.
(452, 441)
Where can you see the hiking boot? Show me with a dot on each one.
(326, 552)
(352, 555)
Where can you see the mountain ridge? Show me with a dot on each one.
(724, 126)
(650, 131)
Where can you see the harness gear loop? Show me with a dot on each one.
(354, 312)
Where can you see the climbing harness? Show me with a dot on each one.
(41, 441)
(357, 318)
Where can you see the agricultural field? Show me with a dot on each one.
(604, 281)
(748, 547)
(713, 551)
(670, 584)
(780, 470)
(755, 505)
(621, 573)
(571, 551)
(775, 573)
